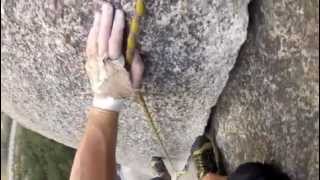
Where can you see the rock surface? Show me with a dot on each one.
(189, 48)
(269, 109)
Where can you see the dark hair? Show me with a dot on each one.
(258, 171)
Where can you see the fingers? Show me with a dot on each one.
(106, 35)
(116, 38)
(137, 68)
(92, 45)
(105, 29)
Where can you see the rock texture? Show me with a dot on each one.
(189, 48)
(269, 110)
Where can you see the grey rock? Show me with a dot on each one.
(189, 49)
(269, 109)
(6, 123)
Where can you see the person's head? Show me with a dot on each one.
(257, 171)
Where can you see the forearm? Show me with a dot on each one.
(95, 158)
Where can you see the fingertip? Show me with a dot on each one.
(120, 13)
(116, 38)
(107, 13)
(105, 28)
(119, 18)
(106, 7)
(137, 69)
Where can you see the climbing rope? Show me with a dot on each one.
(131, 45)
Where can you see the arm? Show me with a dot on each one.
(110, 81)
(95, 158)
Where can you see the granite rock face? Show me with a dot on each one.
(269, 109)
(189, 49)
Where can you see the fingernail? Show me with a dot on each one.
(119, 18)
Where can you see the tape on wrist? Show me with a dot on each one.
(108, 103)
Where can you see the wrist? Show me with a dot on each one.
(101, 119)
(97, 112)
(108, 103)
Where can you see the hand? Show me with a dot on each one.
(105, 61)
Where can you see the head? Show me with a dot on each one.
(257, 171)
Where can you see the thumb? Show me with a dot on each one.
(136, 73)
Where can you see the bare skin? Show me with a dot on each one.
(95, 157)
(212, 176)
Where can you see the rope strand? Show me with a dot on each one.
(131, 45)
